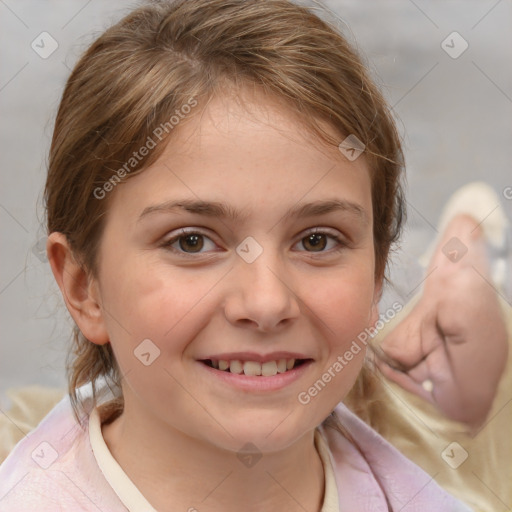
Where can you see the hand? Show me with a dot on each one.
(452, 347)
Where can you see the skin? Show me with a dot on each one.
(181, 428)
(455, 336)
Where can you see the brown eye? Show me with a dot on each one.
(321, 242)
(315, 242)
(191, 243)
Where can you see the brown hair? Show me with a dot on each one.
(164, 55)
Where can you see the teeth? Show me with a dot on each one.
(269, 369)
(281, 366)
(236, 367)
(253, 368)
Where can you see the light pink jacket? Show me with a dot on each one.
(54, 469)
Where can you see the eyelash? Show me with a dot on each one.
(341, 243)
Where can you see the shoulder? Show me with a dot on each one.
(54, 468)
(381, 470)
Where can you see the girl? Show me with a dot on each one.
(218, 319)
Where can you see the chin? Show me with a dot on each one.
(268, 434)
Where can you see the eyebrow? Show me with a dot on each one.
(223, 211)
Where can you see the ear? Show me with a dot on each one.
(79, 289)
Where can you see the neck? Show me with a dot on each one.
(194, 475)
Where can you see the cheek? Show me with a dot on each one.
(146, 301)
(344, 308)
(344, 304)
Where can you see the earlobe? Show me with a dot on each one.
(79, 289)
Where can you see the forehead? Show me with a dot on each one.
(250, 109)
(248, 149)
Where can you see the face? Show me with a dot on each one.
(246, 245)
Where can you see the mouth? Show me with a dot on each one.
(255, 368)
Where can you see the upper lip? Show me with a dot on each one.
(253, 356)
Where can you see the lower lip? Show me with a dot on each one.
(259, 383)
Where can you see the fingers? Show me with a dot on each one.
(406, 382)
(390, 361)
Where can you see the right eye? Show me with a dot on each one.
(190, 242)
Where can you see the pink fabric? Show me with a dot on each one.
(376, 470)
(72, 480)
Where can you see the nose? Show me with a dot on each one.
(261, 296)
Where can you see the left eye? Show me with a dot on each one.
(190, 243)
(319, 242)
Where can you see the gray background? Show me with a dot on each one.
(455, 116)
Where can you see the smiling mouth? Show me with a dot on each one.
(253, 368)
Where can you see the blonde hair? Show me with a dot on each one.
(142, 70)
